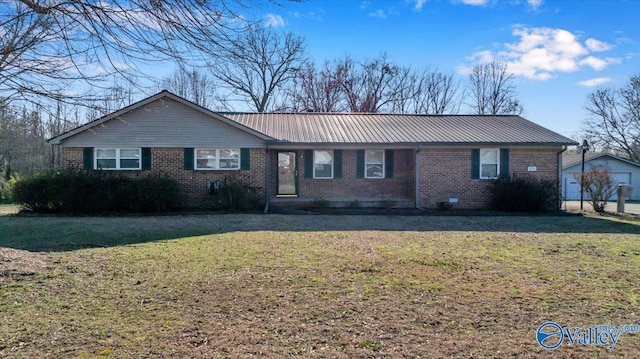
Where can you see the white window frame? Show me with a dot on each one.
(332, 164)
(118, 158)
(485, 150)
(217, 161)
(366, 164)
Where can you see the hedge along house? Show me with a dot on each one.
(293, 159)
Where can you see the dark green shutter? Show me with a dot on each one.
(504, 162)
(245, 159)
(146, 158)
(475, 163)
(308, 164)
(337, 164)
(87, 158)
(188, 158)
(388, 164)
(359, 163)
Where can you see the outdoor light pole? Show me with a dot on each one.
(585, 148)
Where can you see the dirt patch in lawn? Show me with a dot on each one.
(15, 263)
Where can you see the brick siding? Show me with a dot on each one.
(193, 183)
(446, 173)
(349, 187)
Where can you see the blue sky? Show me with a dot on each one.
(559, 50)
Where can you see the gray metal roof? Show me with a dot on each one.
(389, 128)
(572, 159)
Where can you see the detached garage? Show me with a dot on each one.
(623, 172)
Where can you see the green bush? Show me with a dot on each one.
(523, 194)
(355, 204)
(234, 194)
(73, 191)
(318, 203)
(6, 188)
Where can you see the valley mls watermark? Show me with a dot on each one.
(551, 335)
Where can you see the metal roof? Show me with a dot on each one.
(359, 128)
(573, 159)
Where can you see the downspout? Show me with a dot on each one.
(267, 180)
(417, 172)
(560, 189)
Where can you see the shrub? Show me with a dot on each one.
(234, 194)
(74, 191)
(355, 204)
(444, 206)
(318, 203)
(523, 194)
(599, 187)
(6, 188)
(387, 203)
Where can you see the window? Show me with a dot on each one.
(117, 159)
(489, 163)
(217, 159)
(374, 164)
(323, 164)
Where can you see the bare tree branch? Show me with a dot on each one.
(614, 118)
(256, 65)
(48, 48)
(493, 91)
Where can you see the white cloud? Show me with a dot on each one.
(378, 13)
(475, 2)
(483, 57)
(596, 45)
(535, 3)
(419, 4)
(594, 62)
(594, 82)
(541, 53)
(273, 20)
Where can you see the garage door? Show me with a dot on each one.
(572, 186)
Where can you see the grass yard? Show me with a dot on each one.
(313, 286)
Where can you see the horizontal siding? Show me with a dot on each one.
(164, 123)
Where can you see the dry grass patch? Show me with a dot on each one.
(320, 286)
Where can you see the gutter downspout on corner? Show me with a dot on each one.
(267, 180)
(417, 171)
(560, 189)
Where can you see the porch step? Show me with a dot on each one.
(299, 203)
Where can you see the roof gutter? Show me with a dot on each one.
(560, 189)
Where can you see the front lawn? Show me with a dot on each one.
(313, 286)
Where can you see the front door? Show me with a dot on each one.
(287, 173)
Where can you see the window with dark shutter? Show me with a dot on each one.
(188, 159)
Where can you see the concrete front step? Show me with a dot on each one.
(297, 203)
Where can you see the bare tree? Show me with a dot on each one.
(402, 91)
(47, 47)
(614, 118)
(365, 85)
(599, 186)
(316, 89)
(436, 93)
(192, 85)
(493, 91)
(256, 65)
